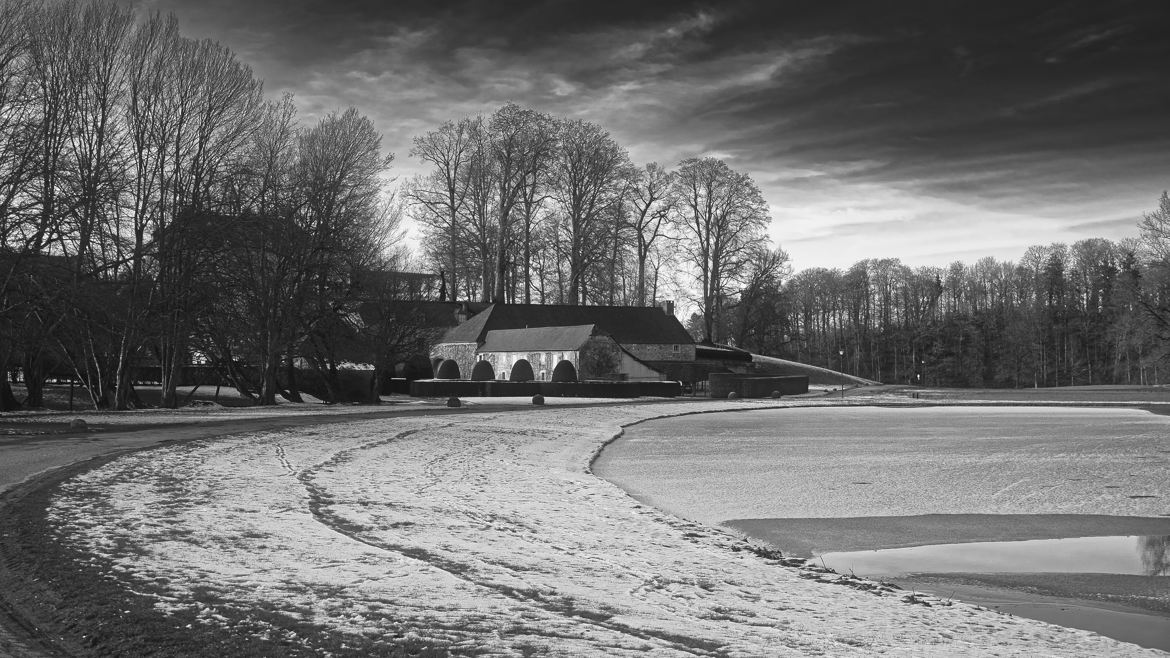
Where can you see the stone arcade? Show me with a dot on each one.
(524, 342)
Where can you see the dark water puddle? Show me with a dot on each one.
(1118, 622)
(1010, 576)
(1133, 555)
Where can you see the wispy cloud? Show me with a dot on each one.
(874, 129)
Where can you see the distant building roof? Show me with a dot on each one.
(625, 324)
(721, 352)
(537, 339)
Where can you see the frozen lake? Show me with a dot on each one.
(977, 490)
(869, 461)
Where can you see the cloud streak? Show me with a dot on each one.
(929, 124)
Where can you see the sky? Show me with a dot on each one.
(927, 131)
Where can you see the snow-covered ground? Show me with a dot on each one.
(486, 532)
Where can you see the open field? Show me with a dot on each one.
(475, 532)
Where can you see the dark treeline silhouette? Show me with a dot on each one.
(1090, 313)
(156, 210)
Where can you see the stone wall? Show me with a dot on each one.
(542, 362)
(659, 352)
(461, 353)
(602, 358)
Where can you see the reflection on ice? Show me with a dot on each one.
(1145, 556)
(1154, 557)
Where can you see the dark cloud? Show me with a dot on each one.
(850, 114)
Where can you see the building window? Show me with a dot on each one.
(675, 348)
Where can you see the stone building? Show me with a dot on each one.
(597, 342)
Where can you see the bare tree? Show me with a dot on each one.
(54, 37)
(441, 193)
(1155, 238)
(532, 198)
(758, 313)
(97, 147)
(589, 174)
(722, 216)
(522, 142)
(1155, 230)
(338, 175)
(651, 199)
(480, 228)
(17, 115)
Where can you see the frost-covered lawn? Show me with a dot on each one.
(483, 532)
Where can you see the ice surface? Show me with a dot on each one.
(871, 461)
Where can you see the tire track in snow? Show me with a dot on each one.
(320, 502)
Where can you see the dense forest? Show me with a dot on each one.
(1094, 312)
(156, 210)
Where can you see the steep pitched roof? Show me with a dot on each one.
(625, 324)
(537, 339)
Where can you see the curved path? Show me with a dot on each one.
(472, 532)
(35, 447)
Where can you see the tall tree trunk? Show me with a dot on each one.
(294, 394)
(269, 387)
(34, 380)
(528, 261)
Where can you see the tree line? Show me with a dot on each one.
(1094, 312)
(156, 208)
(525, 207)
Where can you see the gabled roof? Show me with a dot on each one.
(625, 324)
(537, 339)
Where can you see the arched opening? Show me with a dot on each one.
(483, 372)
(564, 372)
(417, 367)
(435, 363)
(448, 369)
(522, 371)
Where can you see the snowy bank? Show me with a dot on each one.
(485, 532)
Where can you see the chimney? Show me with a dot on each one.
(667, 306)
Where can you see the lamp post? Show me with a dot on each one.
(841, 353)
